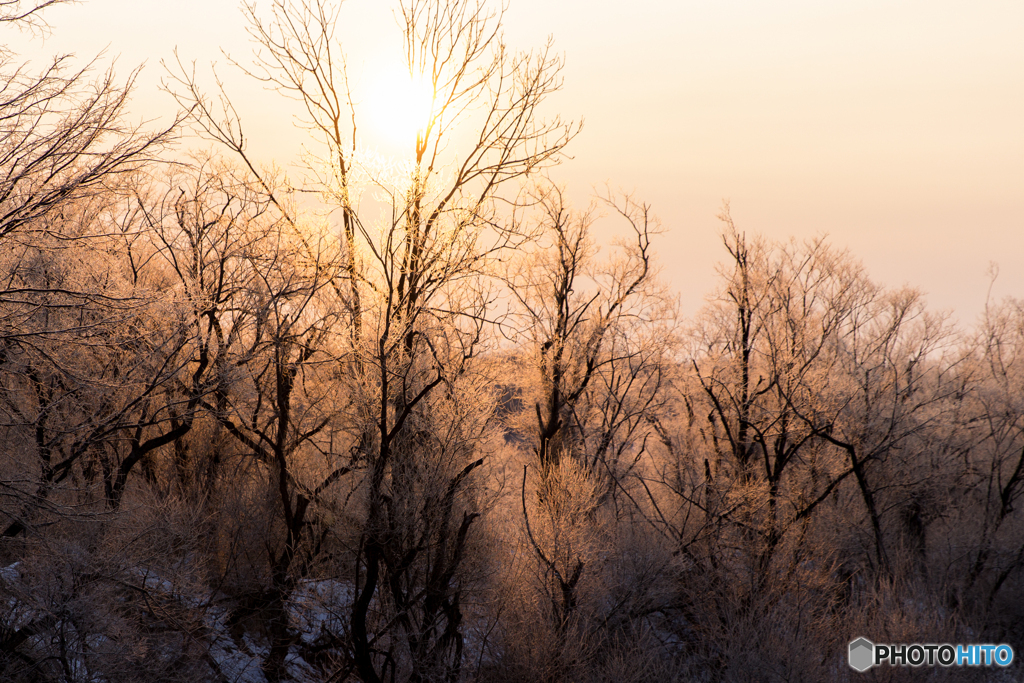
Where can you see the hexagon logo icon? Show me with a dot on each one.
(862, 654)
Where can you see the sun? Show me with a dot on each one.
(399, 106)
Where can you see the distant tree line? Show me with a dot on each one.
(409, 423)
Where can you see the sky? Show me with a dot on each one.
(895, 128)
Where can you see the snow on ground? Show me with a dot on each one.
(316, 608)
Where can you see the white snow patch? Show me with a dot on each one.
(317, 606)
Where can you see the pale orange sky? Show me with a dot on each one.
(895, 127)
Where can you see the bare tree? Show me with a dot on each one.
(64, 143)
(814, 418)
(590, 326)
(593, 340)
(990, 423)
(417, 306)
(62, 135)
(26, 14)
(817, 363)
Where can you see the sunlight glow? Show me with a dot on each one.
(399, 106)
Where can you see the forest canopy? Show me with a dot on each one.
(413, 422)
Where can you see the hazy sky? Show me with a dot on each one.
(897, 128)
